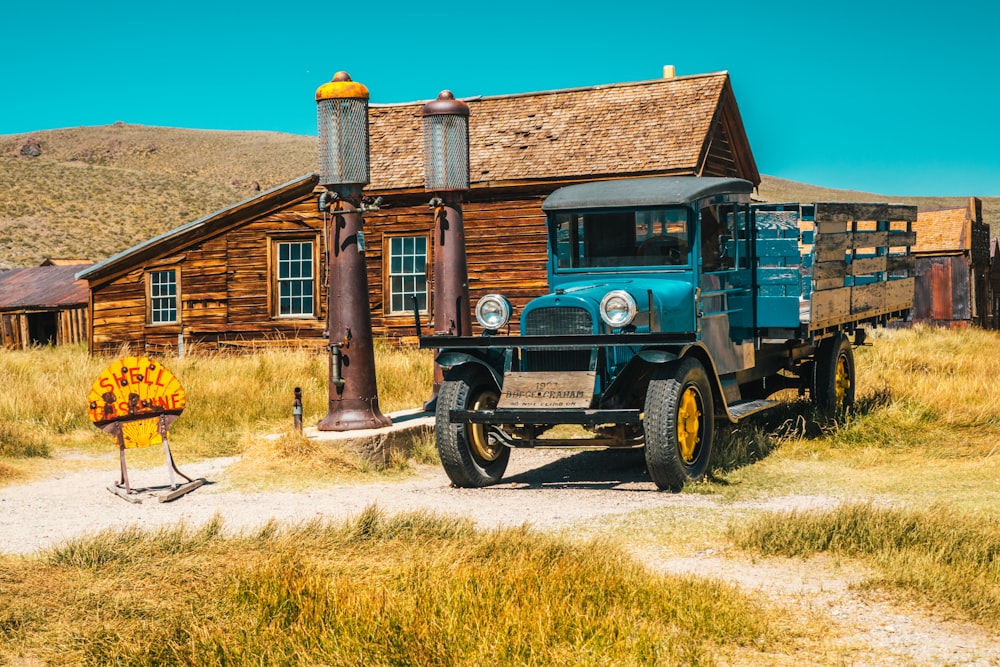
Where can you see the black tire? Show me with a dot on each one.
(679, 420)
(468, 456)
(834, 375)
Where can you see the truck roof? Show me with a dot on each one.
(636, 192)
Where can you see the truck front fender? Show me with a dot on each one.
(452, 358)
(656, 356)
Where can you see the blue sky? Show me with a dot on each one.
(888, 98)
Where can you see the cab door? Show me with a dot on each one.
(725, 303)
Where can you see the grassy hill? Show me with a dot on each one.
(93, 191)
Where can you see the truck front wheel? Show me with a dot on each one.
(468, 455)
(679, 417)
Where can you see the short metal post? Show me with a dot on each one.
(297, 410)
(170, 464)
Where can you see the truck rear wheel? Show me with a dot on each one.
(834, 375)
(679, 418)
(469, 457)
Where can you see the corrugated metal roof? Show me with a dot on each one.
(42, 287)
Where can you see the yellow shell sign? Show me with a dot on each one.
(140, 395)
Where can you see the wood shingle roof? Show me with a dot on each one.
(662, 126)
(945, 231)
(953, 231)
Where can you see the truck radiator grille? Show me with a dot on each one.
(558, 321)
(555, 360)
(555, 322)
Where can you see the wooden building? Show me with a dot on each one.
(254, 270)
(43, 305)
(991, 320)
(952, 267)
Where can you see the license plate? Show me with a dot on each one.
(547, 390)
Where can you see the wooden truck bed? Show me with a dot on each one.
(851, 264)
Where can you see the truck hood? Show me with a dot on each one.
(672, 303)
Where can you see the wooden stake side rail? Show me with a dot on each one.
(862, 269)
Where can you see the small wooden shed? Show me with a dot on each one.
(43, 305)
(952, 267)
(255, 270)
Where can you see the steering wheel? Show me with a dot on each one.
(665, 247)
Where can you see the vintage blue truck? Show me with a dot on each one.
(674, 303)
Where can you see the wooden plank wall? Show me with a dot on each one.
(71, 327)
(224, 284)
(11, 325)
(72, 324)
(506, 252)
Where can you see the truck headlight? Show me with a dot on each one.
(618, 309)
(493, 312)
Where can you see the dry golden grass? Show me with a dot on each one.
(409, 589)
(936, 555)
(232, 401)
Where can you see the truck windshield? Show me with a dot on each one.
(648, 237)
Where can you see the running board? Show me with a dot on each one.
(741, 409)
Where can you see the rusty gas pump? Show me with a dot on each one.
(342, 115)
(446, 175)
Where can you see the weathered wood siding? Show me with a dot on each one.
(505, 246)
(224, 289)
(70, 326)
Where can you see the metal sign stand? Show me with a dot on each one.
(135, 400)
(124, 490)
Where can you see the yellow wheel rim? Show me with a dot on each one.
(841, 382)
(478, 434)
(688, 424)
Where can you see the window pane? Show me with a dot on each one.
(407, 273)
(295, 278)
(163, 296)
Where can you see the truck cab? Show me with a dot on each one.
(673, 302)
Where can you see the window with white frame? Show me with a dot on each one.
(295, 284)
(407, 260)
(163, 296)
